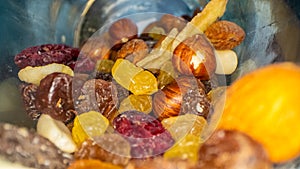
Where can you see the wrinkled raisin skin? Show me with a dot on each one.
(46, 54)
(98, 95)
(54, 97)
(29, 98)
(146, 134)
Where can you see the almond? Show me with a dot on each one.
(225, 35)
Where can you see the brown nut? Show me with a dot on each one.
(167, 102)
(97, 48)
(134, 50)
(123, 30)
(232, 149)
(168, 22)
(195, 56)
(225, 34)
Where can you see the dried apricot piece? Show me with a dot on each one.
(90, 164)
(88, 125)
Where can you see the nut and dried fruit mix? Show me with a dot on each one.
(134, 101)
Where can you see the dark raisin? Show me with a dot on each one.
(145, 134)
(54, 97)
(25, 146)
(111, 148)
(98, 95)
(83, 65)
(29, 99)
(195, 101)
(46, 54)
(104, 76)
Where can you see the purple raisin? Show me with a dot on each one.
(46, 54)
(98, 95)
(195, 101)
(83, 64)
(54, 97)
(145, 134)
(29, 99)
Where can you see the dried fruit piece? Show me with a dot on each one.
(134, 51)
(186, 149)
(18, 144)
(123, 71)
(98, 95)
(146, 135)
(267, 109)
(54, 97)
(227, 61)
(88, 125)
(225, 35)
(141, 103)
(195, 101)
(195, 56)
(29, 99)
(57, 132)
(92, 164)
(46, 54)
(182, 125)
(104, 65)
(232, 149)
(143, 83)
(111, 148)
(166, 75)
(35, 74)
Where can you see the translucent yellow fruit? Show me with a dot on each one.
(88, 125)
(123, 71)
(34, 75)
(143, 83)
(141, 103)
(179, 126)
(187, 149)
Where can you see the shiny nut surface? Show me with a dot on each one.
(195, 56)
(225, 34)
(122, 30)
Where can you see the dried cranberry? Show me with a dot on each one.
(29, 98)
(83, 64)
(54, 97)
(98, 95)
(146, 134)
(46, 54)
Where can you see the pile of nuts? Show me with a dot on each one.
(135, 101)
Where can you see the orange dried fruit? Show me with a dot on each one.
(265, 105)
(89, 164)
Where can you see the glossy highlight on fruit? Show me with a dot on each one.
(265, 105)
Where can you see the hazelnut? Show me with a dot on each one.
(167, 101)
(134, 50)
(168, 22)
(123, 30)
(97, 48)
(195, 56)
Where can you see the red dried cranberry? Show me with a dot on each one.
(46, 54)
(54, 97)
(83, 64)
(145, 134)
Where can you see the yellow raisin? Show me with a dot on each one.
(143, 83)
